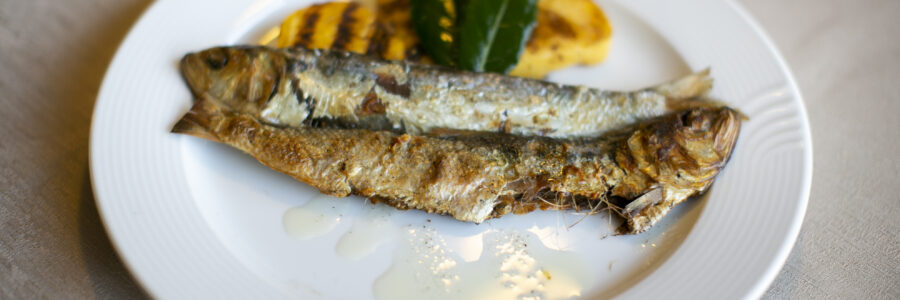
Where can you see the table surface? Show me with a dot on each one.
(844, 54)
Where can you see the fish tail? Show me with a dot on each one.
(688, 87)
(689, 92)
(200, 120)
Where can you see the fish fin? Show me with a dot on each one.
(688, 87)
(200, 120)
(650, 198)
(689, 92)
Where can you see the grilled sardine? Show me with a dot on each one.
(297, 87)
(641, 171)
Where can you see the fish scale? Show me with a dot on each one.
(419, 98)
(640, 172)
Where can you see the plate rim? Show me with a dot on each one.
(756, 291)
(797, 223)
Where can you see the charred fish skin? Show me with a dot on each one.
(294, 87)
(475, 176)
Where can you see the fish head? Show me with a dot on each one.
(706, 138)
(682, 152)
(704, 126)
(240, 77)
(690, 148)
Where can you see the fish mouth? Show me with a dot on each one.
(195, 73)
(727, 129)
(711, 151)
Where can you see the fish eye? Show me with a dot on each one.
(216, 59)
(687, 119)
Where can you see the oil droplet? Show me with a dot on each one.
(367, 233)
(421, 268)
(314, 218)
(468, 248)
(526, 270)
(513, 265)
(550, 237)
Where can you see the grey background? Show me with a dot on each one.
(53, 54)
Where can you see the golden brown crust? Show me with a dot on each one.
(474, 176)
(296, 87)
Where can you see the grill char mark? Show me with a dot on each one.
(345, 27)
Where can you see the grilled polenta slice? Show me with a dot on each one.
(350, 26)
(568, 32)
(337, 25)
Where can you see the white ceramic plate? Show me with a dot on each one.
(193, 218)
